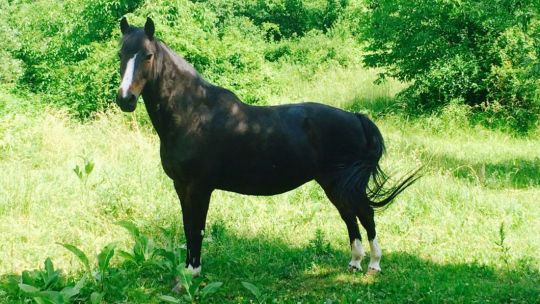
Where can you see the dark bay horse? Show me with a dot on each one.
(211, 140)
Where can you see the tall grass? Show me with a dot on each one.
(441, 241)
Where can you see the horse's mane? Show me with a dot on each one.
(180, 63)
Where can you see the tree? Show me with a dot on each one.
(484, 53)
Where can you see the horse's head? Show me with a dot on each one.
(137, 61)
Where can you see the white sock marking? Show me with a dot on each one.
(128, 76)
(375, 255)
(194, 271)
(357, 253)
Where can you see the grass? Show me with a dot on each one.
(441, 240)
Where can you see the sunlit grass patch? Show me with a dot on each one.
(441, 239)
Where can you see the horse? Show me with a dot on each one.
(210, 139)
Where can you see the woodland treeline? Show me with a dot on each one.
(481, 55)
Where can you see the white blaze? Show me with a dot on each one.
(128, 76)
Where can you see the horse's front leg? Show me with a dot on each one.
(194, 201)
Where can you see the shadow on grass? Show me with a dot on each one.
(514, 173)
(317, 273)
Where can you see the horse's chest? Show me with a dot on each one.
(180, 163)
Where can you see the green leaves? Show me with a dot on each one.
(130, 227)
(81, 256)
(28, 288)
(227, 41)
(210, 289)
(254, 290)
(169, 299)
(143, 248)
(70, 292)
(479, 52)
(105, 256)
(96, 297)
(87, 168)
(191, 287)
(45, 293)
(100, 278)
(50, 276)
(107, 282)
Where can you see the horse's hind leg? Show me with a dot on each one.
(349, 217)
(366, 217)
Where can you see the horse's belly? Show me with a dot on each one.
(262, 185)
(250, 188)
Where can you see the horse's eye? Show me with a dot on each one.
(148, 56)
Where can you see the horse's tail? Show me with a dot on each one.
(378, 193)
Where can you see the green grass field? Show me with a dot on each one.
(441, 240)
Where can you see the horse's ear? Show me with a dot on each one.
(124, 25)
(149, 28)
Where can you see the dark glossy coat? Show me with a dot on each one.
(211, 140)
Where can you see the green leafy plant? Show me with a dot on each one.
(502, 246)
(318, 246)
(103, 276)
(255, 291)
(170, 255)
(143, 249)
(82, 258)
(192, 287)
(44, 286)
(84, 171)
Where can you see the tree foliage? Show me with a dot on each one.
(66, 50)
(481, 53)
(484, 53)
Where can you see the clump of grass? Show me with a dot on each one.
(502, 246)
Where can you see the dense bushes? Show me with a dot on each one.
(67, 50)
(481, 53)
(61, 48)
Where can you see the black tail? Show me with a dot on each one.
(378, 194)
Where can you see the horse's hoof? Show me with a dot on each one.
(373, 271)
(355, 267)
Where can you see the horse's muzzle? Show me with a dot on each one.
(128, 103)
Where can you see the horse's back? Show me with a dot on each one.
(337, 135)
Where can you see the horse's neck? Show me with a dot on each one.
(177, 86)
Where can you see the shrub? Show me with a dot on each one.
(61, 48)
(66, 51)
(483, 52)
